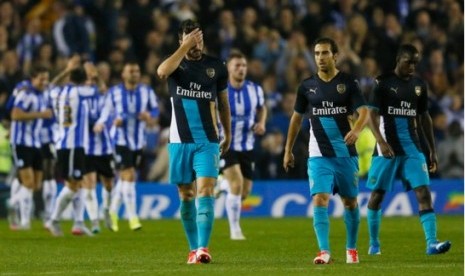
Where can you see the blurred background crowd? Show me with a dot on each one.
(277, 38)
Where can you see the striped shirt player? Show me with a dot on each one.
(25, 134)
(28, 109)
(48, 133)
(244, 102)
(99, 153)
(70, 105)
(127, 105)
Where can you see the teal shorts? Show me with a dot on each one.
(189, 161)
(411, 169)
(331, 175)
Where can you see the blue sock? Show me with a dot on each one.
(321, 226)
(428, 221)
(205, 217)
(188, 219)
(352, 221)
(374, 222)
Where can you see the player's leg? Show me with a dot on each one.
(90, 199)
(205, 164)
(415, 173)
(25, 195)
(128, 190)
(233, 201)
(107, 189)
(13, 204)
(49, 185)
(380, 179)
(346, 172)
(49, 188)
(321, 180)
(181, 171)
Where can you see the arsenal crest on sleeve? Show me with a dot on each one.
(418, 90)
(210, 72)
(341, 88)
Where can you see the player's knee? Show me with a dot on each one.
(423, 195)
(376, 198)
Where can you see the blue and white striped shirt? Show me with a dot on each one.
(99, 111)
(27, 133)
(70, 105)
(49, 127)
(127, 106)
(244, 103)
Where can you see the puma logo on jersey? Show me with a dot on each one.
(313, 90)
(394, 89)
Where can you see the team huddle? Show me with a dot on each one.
(88, 129)
(216, 115)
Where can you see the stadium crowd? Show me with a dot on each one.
(276, 36)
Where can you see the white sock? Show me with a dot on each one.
(14, 192)
(49, 192)
(25, 205)
(224, 185)
(116, 197)
(233, 210)
(106, 198)
(78, 206)
(62, 201)
(15, 186)
(129, 197)
(90, 196)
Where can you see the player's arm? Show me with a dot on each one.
(151, 116)
(259, 127)
(169, 65)
(294, 127)
(362, 119)
(373, 124)
(19, 113)
(425, 126)
(72, 64)
(225, 119)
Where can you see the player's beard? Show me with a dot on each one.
(195, 54)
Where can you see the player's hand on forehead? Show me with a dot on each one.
(193, 37)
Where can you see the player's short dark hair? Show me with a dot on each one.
(131, 62)
(36, 70)
(187, 26)
(78, 75)
(406, 49)
(327, 40)
(235, 54)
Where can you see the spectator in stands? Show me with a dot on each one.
(450, 152)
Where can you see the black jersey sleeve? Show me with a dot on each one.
(301, 102)
(222, 82)
(423, 99)
(374, 98)
(356, 95)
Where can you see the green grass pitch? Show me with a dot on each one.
(273, 247)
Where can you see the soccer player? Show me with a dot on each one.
(72, 115)
(49, 186)
(198, 90)
(399, 115)
(28, 111)
(248, 116)
(99, 153)
(331, 98)
(135, 107)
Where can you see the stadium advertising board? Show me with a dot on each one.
(291, 198)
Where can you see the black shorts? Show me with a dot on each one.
(48, 151)
(245, 159)
(71, 163)
(102, 165)
(27, 157)
(126, 158)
